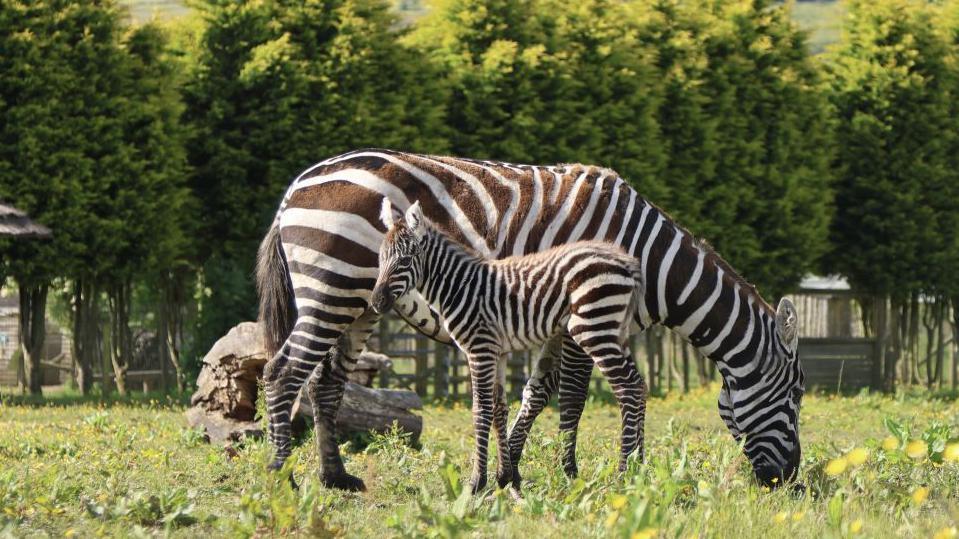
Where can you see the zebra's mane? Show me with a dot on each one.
(720, 262)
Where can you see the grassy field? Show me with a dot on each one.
(134, 469)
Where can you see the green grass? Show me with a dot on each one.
(135, 469)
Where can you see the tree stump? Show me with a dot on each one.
(224, 404)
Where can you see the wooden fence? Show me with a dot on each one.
(664, 359)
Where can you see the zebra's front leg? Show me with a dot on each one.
(539, 389)
(574, 374)
(482, 375)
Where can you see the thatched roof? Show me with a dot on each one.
(15, 223)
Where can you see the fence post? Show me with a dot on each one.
(441, 377)
(879, 305)
(383, 335)
(422, 352)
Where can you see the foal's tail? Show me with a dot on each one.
(276, 292)
(636, 298)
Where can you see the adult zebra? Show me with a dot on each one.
(318, 263)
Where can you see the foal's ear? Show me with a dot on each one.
(386, 213)
(414, 218)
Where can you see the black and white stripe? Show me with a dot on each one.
(586, 291)
(322, 250)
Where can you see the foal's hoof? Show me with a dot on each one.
(477, 484)
(505, 477)
(571, 471)
(517, 479)
(276, 466)
(343, 481)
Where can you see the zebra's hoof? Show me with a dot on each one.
(571, 471)
(343, 481)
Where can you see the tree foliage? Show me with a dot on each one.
(892, 82)
(278, 86)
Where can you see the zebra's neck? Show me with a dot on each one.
(693, 291)
(447, 269)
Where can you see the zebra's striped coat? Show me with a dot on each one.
(587, 290)
(319, 261)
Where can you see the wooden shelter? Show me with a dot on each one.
(15, 223)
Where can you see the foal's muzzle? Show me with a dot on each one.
(382, 299)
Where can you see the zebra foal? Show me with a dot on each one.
(587, 290)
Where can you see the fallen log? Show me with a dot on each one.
(224, 404)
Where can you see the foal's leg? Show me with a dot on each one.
(482, 377)
(604, 342)
(630, 391)
(575, 371)
(536, 394)
(504, 465)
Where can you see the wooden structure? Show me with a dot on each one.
(56, 360)
(835, 352)
(224, 404)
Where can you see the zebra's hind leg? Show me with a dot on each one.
(539, 389)
(504, 465)
(575, 370)
(283, 377)
(326, 394)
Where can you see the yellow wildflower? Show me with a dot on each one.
(780, 517)
(619, 501)
(946, 533)
(951, 453)
(836, 466)
(919, 495)
(855, 526)
(890, 443)
(917, 449)
(797, 516)
(611, 519)
(857, 456)
(646, 533)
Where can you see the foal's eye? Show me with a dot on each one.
(405, 260)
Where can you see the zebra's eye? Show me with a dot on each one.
(405, 260)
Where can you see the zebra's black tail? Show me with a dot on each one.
(277, 311)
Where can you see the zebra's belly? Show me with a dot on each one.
(528, 340)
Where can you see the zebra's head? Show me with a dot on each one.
(761, 408)
(400, 264)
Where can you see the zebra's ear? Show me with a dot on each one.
(386, 213)
(414, 218)
(787, 323)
